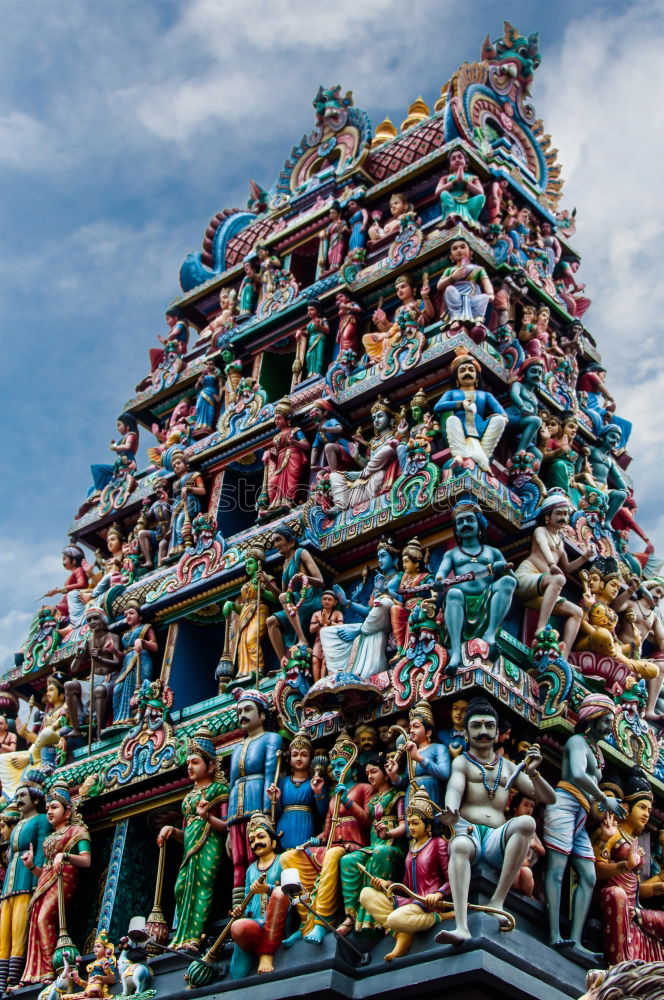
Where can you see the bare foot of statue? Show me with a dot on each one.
(453, 664)
(292, 939)
(402, 945)
(346, 926)
(316, 935)
(453, 936)
(504, 921)
(265, 965)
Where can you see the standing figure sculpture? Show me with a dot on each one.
(253, 770)
(314, 341)
(606, 471)
(476, 419)
(65, 850)
(475, 804)
(333, 241)
(72, 608)
(188, 488)
(207, 399)
(427, 763)
(252, 609)
(102, 650)
(156, 519)
(204, 821)
(358, 220)
(523, 407)
(328, 616)
(139, 644)
(639, 623)
(299, 801)
(407, 589)
(249, 289)
(461, 193)
(300, 595)
(565, 835)
(474, 608)
(284, 462)
(348, 311)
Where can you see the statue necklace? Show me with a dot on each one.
(484, 767)
(473, 557)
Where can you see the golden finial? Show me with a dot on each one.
(384, 132)
(442, 100)
(417, 112)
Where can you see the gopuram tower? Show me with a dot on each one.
(352, 687)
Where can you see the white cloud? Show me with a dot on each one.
(27, 570)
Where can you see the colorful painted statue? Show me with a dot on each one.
(425, 881)
(349, 312)
(475, 420)
(299, 801)
(65, 850)
(72, 608)
(358, 220)
(102, 972)
(542, 576)
(314, 339)
(188, 487)
(259, 930)
(253, 770)
(467, 290)
(630, 929)
(560, 458)
(284, 462)
(606, 471)
(300, 595)
(252, 609)
(565, 836)
(177, 339)
(224, 319)
(427, 763)
(204, 811)
(346, 830)
(321, 620)
(637, 979)
(271, 274)
(474, 608)
(155, 518)
(461, 193)
(333, 241)
(640, 623)
(125, 447)
(102, 651)
(139, 644)
(20, 880)
(111, 576)
(207, 399)
(174, 435)
(379, 468)
(420, 311)
(454, 738)
(249, 288)
(475, 804)
(424, 429)
(521, 805)
(331, 448)
(360, 647)
(383, 858)
(401, 213)
(45, 742)
(523, 408)
(407, 589)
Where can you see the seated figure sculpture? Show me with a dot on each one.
(466, 290)
(461, 193)
(420, 311)
(524, 405)
(476, 607)
(476, 419)
(379, 468)
(475, 804)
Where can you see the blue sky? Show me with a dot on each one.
(125, 126)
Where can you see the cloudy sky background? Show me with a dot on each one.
(125, 126)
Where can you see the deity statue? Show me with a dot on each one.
(249, 289)
(44, 743)
(401, 213)
(425, 880)
(327, 616)
(330, 443)
(379, 468)
(547, 241)
(543, 574)
(300, 595)
(313, 339)
(427, 763)
(252, 609)
(417, 311)
(102, 972)
(569, 290)
(358, 220)
(139, 644)
(348, 311)
(65, 850)
(559, 458)
(454, 738)
(522, 411)
(333, 241)
(607, 474)
(284, 462)
(565, 834)
(383, 858)
(424, 430)
(174, 436)
(639, 623)
(299, 801)
(475, 803)
(72, 608)
(204, 811)
(600, 620)
(467, 290)
(346, 830)
(21, 880)
(176, 339)
(258, 930)
(360, 647)
(365, 738)
(155, 519)
(7, 737)
(521, 805)
(111, 575)
(461, 193)
(223, 321)
(407, 589)
(188, 487)
(207, 399)
(476, 607)
(253, 771)
(271, 274)
(476, 421)
(102, 651)
(631, 930)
